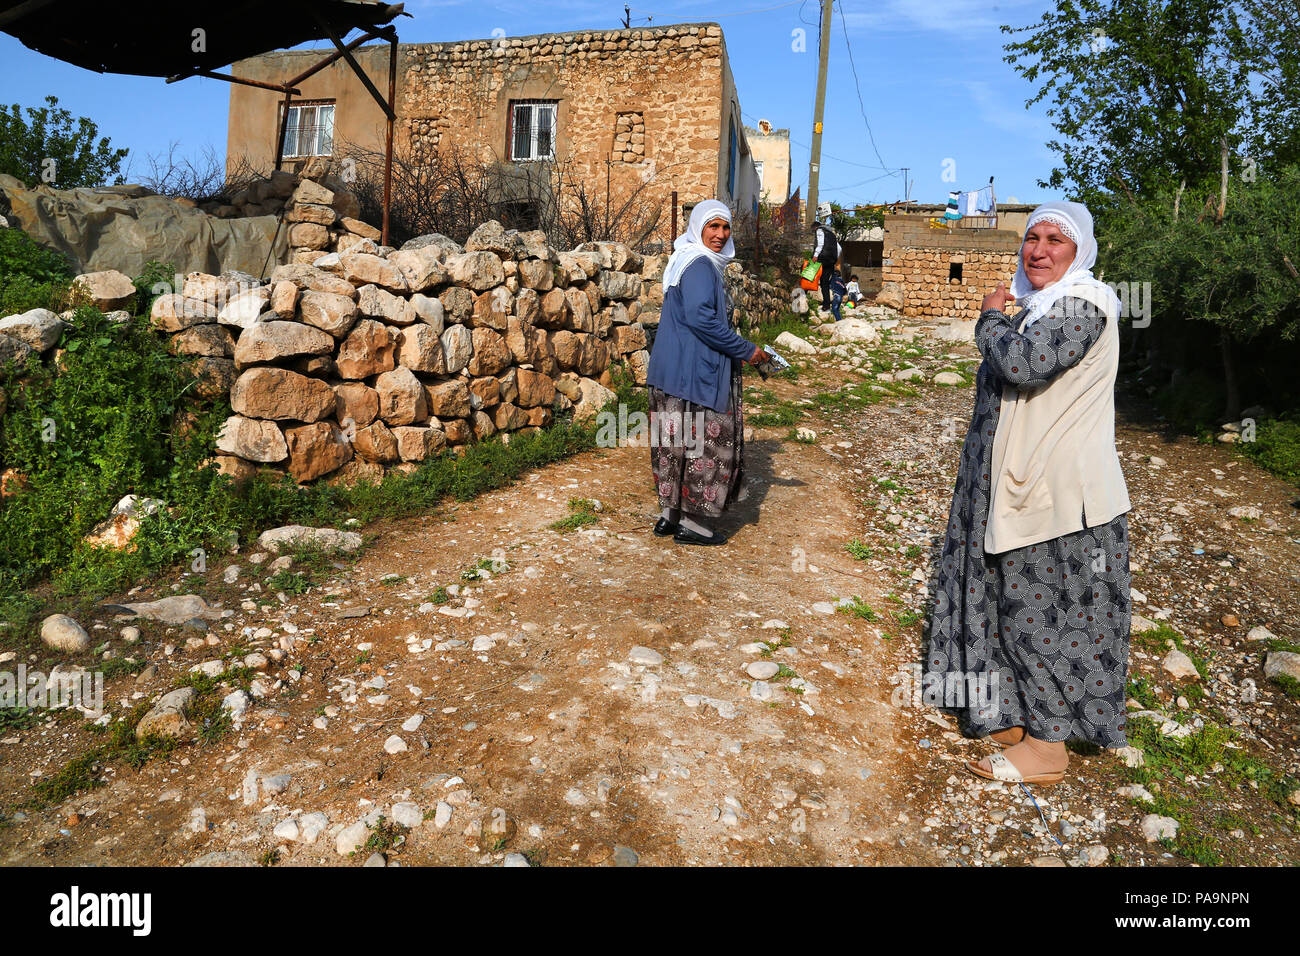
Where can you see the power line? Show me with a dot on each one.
(826, 155)
(858, 86)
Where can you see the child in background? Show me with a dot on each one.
(854, 293)
(838, 290)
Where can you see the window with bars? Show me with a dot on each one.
(532, 129)
(309, 130)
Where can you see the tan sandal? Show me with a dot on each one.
(1004, 771)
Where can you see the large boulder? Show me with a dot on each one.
(619, 285)
(420, 349)
(277, 341)
(416, 443)
(369, 349)
(214, 376)
(890, 296)
(450, 399)
(245, 308)
(39, 328)
(213, 340)
(375, 443)
(64, 634)
(107, 290)
(361, 269)
(355, 402)
(376, 303)
(173, 312)
(296, 535)
(593, 397)
(434, 240)
(457, 347)
(535, 389)
(490, 353)
(279, 394)
(330, 312)
(317, 280)
(580, 317)
(492, 309)
(401, 397)
(491, 236)
(476, 270)
(316, 450)
(252, 440)
(422, 268)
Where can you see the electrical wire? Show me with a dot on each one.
(857, 85)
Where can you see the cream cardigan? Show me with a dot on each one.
(1054, 468)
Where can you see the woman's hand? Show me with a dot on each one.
(759, 356)
(997, 299)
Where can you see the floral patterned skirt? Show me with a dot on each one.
(696, 454)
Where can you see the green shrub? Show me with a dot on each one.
(1277, 448)
(31, 276)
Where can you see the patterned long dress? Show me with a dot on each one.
(699, 459)
(1046, 624)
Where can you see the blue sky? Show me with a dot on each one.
(931, 75)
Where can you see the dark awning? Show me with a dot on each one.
(158, 38)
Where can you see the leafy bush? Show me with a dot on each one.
(31, 276)
(1277, 448)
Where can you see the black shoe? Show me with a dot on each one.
(664, 527)
(687, 536)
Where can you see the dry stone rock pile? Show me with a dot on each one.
(373, 358)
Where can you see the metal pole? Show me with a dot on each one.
(388, 145)
(819, 110)
(284, 128)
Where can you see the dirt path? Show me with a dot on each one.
(588, 703)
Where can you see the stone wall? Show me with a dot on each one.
(373, 359)
(919, 260)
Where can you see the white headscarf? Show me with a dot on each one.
(1074, 220)
(690, 246)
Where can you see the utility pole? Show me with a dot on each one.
(819, 110)
(627, 17)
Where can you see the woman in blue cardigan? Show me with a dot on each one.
(694, 378)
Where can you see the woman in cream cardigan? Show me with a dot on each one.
(1033, 587)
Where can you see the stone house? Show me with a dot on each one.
(771, 149)
(943, 273)
(652, 107)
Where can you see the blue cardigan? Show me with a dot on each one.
(694, 340)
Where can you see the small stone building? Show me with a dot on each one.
(649, 106)
(944, 273)
(771, 149)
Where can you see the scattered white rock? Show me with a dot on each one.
(1179, 665)
(645, 655)
(1156, 827)
(763, 670)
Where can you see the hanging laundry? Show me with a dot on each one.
(984, 204)
(970, 205)
(952, 212)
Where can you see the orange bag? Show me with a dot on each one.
(808, 285)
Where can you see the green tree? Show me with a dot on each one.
(1142, 92)
(49, 146)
